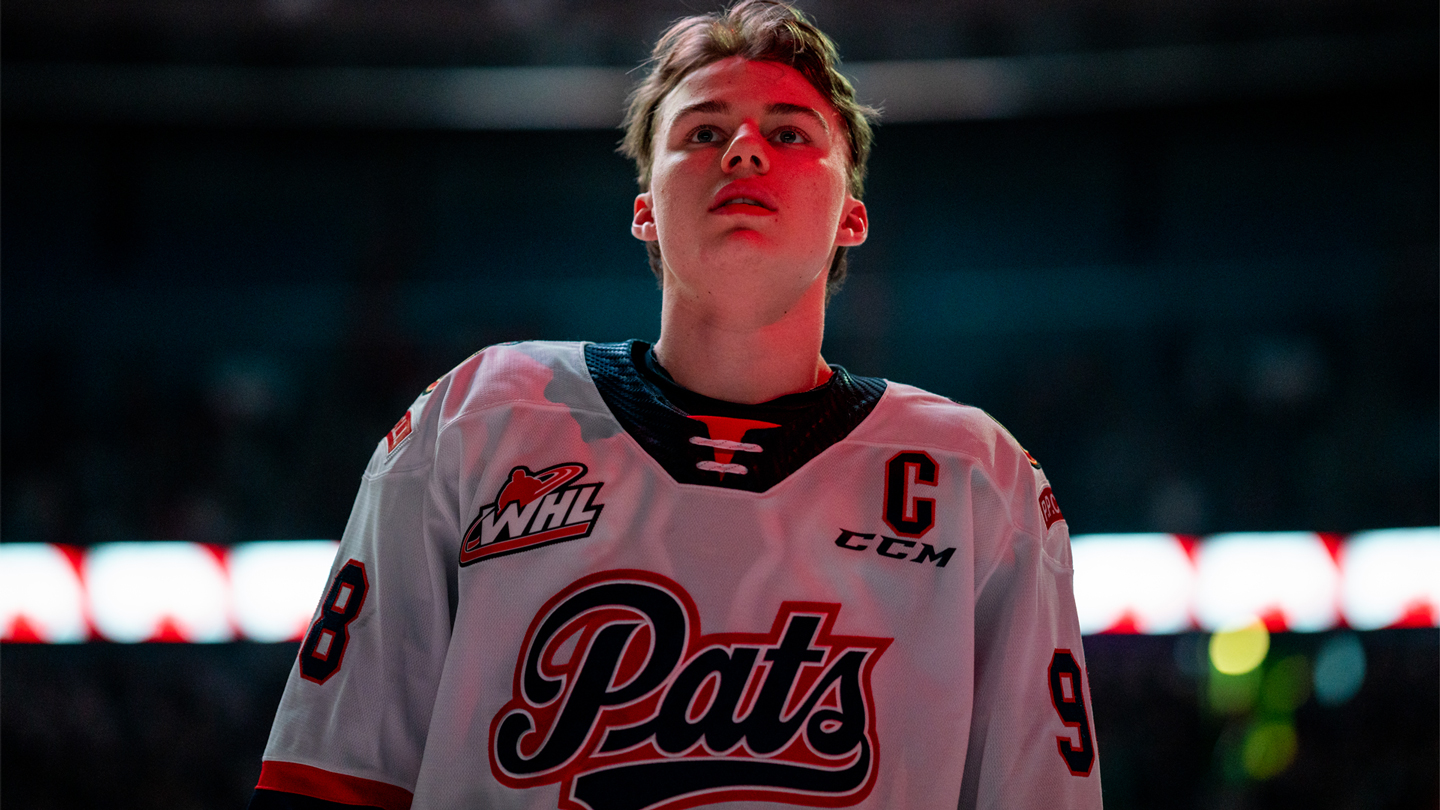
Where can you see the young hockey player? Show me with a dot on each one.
(713, 571)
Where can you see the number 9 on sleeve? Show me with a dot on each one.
(1067, 694)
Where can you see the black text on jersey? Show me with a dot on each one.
(533, 509)
(894, 548)
(623, 701)
(906, 512)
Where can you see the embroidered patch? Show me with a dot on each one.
(533, 509)
(1049, 509)
(398, 434)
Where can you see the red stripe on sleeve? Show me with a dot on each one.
(292, 777)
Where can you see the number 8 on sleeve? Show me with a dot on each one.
(324, 646)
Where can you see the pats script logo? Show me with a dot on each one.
(533, 509)
(623, 701)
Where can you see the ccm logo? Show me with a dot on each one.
(894, 548)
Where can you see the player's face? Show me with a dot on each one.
(748, 194)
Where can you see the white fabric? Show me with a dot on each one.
(960, 703)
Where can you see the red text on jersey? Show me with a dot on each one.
(1049, 508)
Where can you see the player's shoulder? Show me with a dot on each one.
(913, 416)
(537, 373)
(524, 371)
(916, 419)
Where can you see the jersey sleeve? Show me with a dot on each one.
(352, 723)
(1032, 741)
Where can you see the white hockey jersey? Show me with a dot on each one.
(569, 583)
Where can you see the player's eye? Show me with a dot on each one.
(790, 135)
(705, 134)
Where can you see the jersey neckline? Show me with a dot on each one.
(711, 442)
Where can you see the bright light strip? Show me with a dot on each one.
(40, 595)
(1139, 582)
(1124, 583)
(158, 592)
(1392, 577)
(1287, 579)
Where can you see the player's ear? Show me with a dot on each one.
(643, 225)
(854, 224)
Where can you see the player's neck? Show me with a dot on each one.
(743, 362)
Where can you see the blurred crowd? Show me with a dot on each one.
(1330, 428)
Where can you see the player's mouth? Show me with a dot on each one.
(742, 201)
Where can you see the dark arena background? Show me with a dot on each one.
(1187, 251)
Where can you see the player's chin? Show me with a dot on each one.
(741, 244)
(747, 236)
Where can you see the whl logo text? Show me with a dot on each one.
(621, 700)
(533, 509)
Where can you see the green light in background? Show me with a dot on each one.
(1236, 652)
(1268, 750)
(1233, 694)
(1286, 685)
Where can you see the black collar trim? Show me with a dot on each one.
(663, 418)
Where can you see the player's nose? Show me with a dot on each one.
(746, 152)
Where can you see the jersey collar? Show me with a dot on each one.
(700, 440)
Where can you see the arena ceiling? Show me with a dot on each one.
(564, 63)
